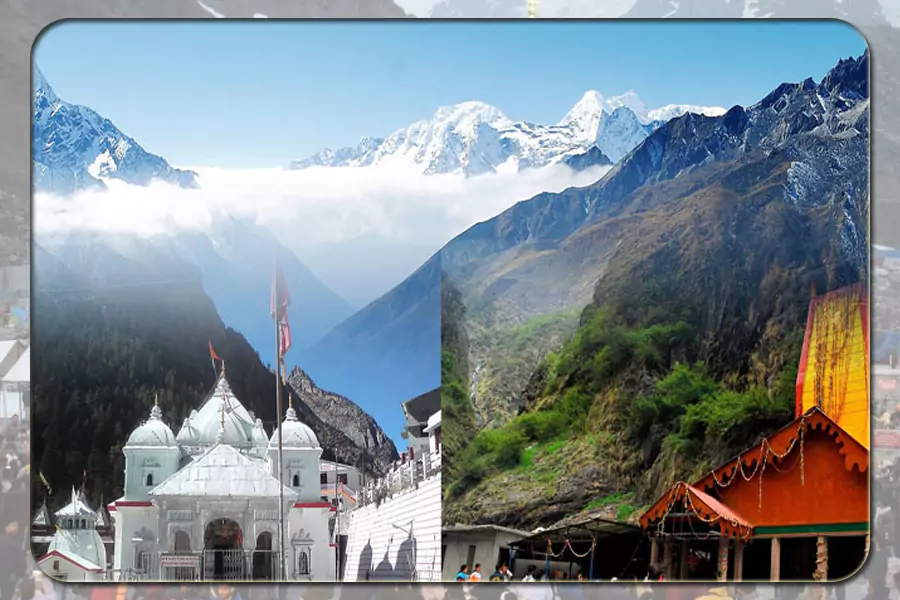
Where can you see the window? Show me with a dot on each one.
(323, 478)
(303, 563)
(342, 477)
(296, 480)
(470, 558)
(149, 479)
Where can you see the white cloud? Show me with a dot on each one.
(317, 206)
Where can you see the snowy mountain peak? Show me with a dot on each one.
(42, 90)
(631, 101)
(587, 110)
(466, 115)
(671, 111)
(593, 103)
(474, 137)
(75, 148)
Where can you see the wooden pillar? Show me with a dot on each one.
(738, 560)
(668, 550)
(654, 550)
(683, 561)
(775, 564)
(821, 573)
(723, 558)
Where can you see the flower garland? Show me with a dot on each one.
(568, 544)
(821, 573)
(683, 492)
(765, 452)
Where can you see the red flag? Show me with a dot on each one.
(212, 353)
(278, 309)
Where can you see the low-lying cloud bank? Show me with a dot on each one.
(307, 208)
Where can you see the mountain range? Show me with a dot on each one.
(357, 355)
(474, 138)
(75, 148)
(379, 358)
(701, 244)
(864, 12)
(562, 244)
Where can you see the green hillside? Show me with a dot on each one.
(686, 355)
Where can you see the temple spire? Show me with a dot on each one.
(221, 437)
(156, 411)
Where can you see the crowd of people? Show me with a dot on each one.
(14, 551)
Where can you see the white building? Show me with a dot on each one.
(339, 482)
(487, 545)
(76, 551)
(205, 504)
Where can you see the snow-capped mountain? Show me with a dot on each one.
(858, 12)
(475, 138)
(75, 148)
(442, 9)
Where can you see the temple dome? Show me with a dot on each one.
(259, 435)
(238, 424)
(188, 435)
(153, 431)
(294, 433)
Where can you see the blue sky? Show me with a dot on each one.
(260, 93)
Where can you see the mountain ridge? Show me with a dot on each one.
(387, 352)
(698, 249)
(236, 256)
(474, 137)
(74, 148)
(358, 425)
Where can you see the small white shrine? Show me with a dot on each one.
(205, 504)
(76, 551)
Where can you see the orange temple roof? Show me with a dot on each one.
(735, 522)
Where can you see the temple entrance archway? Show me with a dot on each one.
(223, 550)
(264, 558)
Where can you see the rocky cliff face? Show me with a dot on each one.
(340, 412)
(717, 225)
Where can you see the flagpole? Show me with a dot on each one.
(278, 409)
(337, 523)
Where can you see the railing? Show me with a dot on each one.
(404, 475)
(206, 565)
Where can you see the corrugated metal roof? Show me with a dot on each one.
(226, 473)
(590, 527)
(481, 528)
